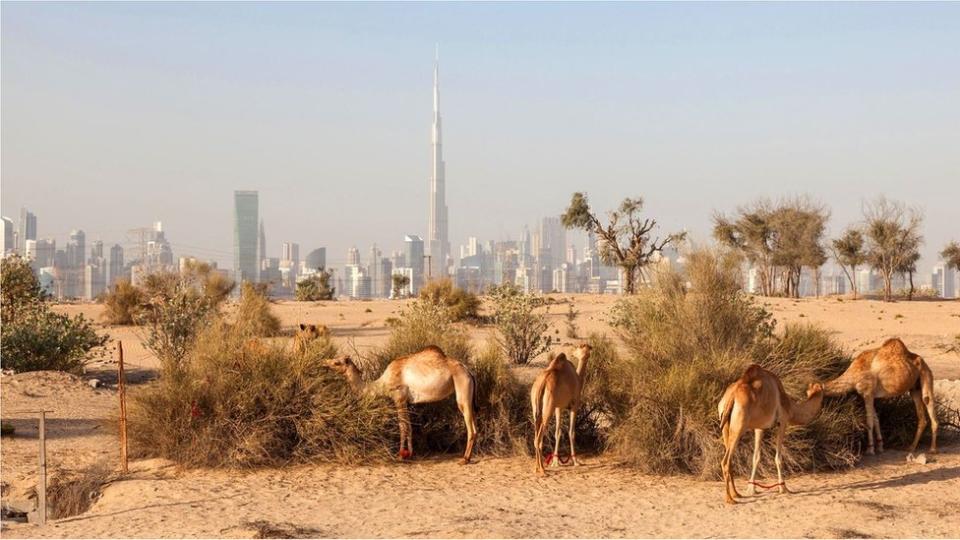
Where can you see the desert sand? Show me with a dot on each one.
(496, 497)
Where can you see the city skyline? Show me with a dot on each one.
(658, 112)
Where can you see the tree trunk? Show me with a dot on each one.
(629, 277)
(910, 293)
(887, 287)
(853, 280)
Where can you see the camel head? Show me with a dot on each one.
(341, 364)
(309, 332)
(584, 350)
(814, 389)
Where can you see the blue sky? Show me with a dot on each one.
(115, 115)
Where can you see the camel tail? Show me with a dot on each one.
(536, 401)
(725, 408)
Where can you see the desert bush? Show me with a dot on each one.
(461, 304)
(570, 320)
(315, 288)
(687, 338)
(33, 337)
(420, 325)
(236, 401)
(123, 303)
(172, 317)
(521, 330)
(254, 313)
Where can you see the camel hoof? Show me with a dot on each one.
(730, 501)
(870, 451)
(464, 461)
(751, 491)
(934, 451)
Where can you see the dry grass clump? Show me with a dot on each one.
(253, 311)
(237, 401)
(73, 492)
(463, 305)
(687, 338)
(123, 303)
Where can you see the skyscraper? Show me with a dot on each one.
(316, 259)
(414, 257)
(262, 245)
(77, 249)
(438, 244)
(246, 259)
(28, 229)
(7, 235)
(116, 263)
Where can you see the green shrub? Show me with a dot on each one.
(254, 313)
(176, 309)
(315, 288)
(123, 303)
(34, 337)
(236, 401)
(462, 304)
(687, 338)
(521, 330)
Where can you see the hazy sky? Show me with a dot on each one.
(115, 115)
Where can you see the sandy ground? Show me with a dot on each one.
(434, 497)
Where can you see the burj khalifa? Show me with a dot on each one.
(438, 241)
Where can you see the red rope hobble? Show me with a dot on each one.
(563, 460)
(195, 410)
(765, 486)
(404, 453)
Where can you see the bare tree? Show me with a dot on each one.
(625, 240)
(848, 251)
(951, 255)
(893, 237)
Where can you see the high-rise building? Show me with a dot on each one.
(553, 239)
(438, 243)
(116, 264)
(77, 250)
(262, 245)
(386, 277)
(374, 271)
(290, 262)
(246, 219)
(96, 249)
(45, 252)
(7, 236)
(28, 229)
(316, 259)
(414, 257)
(353, 256)
(943, 281)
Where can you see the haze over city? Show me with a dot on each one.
(117, 115)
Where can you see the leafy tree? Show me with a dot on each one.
(848, 251)
(34, 337)
(400, 282)
(315, 288)
(625, 240)
(778, 240)
(951, 255)
(521, 331)
(893, 235)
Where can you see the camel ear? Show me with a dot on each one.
(313, 327)
(303, 326)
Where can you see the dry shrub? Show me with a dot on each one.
(253, 311)
(73, 492)
(123, 303)
(239, 402)
(463, 305)
(687, 338)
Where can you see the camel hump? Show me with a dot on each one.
(895, 345)
(432, 349)
(753, 371)
(557, 361)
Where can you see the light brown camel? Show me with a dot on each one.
(889, 371)
(307, 333)
(556, 388)
(757, 401)
(423, 377)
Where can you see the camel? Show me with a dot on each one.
(307, 333)
(889, 371)
(556, 388)
(757, 401)
(423, 377)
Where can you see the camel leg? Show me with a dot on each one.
(545, 414)
(757, 442)
(403, 418)
(871, 415)
(730, 442)
(572, 435)
(926, 386)
(555, 462)
(781, 430)
(468, 419)
(917, 396)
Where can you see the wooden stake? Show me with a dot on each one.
(122, 391)
(42, 482)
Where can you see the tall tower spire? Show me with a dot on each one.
(438, 244)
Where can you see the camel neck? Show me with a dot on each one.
(355, 378)
(582, 366)
(803, 412)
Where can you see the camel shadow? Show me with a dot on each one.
(908, 479)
